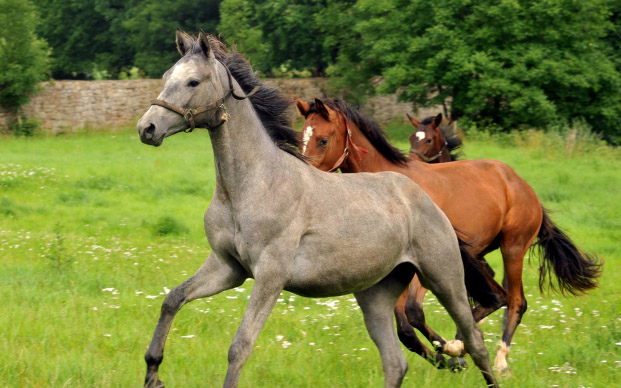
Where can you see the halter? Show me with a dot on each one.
(349, 142)
(189, 114)
(432, 158)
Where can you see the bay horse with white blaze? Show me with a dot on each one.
(432, 142)
(486, 201)
(289, 226)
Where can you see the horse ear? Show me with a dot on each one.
(321, 109)
(414, 122)
(184, 42)
(203, 42)
(303, 107)
(437, 120)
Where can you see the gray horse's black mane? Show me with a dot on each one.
(453, 141)
(269, 103)
(368, 127)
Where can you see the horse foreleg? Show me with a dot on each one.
(377, 304)
(408, 336)
(211, 278)
(267, 288)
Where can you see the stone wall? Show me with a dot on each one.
(67, 105)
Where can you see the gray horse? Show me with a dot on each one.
(289, 226)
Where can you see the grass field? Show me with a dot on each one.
(96, 227)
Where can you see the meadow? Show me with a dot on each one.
(95, 228)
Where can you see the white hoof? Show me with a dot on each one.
(500, 362)
(454, 348)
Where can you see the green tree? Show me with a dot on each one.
(109, 37)
(23, 56)
(85, 36)
(151, 24)
(282, 35)
(506, 63)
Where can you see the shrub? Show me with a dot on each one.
(25, 127)
(23, 56)
(167, 225)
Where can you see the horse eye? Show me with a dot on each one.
(194, 83)
(322, 142)
(428, 140)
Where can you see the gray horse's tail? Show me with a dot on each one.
(477, 274)
(576, 272)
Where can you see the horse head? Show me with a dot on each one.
(324, 136)
(427, 142)
(194, 92)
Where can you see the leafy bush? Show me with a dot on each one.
(167, 225)
(23, 56)
(25, 127)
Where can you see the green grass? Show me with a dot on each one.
(94, 228)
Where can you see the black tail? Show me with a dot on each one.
(576, 272)
(476, 274)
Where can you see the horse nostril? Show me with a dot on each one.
(149, 130)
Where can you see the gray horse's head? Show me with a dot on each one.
(195, 81)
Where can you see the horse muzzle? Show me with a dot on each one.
(148, 134)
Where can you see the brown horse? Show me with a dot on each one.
(433, 143)
(486, 201)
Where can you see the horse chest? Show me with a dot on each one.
(242, 235)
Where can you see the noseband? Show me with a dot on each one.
(431, 158)
(189, 114)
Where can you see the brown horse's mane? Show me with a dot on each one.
(371, 130)
(453, 141)
(269, 103)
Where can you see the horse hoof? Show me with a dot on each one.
(503, 372)
(454, 348)
(457, 364)
(440, 362)
(153, 382)
(500, 362)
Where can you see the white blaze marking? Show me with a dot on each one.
(180, 70)
(420, 135)
(308, 133)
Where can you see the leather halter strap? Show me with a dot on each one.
(349, 143)
(431, 158)
(189, 114)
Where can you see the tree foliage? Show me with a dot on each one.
(282, 35)
(505, 63)
(496, 63)
(23, 56)
(150, 26)
(82, 33)
(112, 36)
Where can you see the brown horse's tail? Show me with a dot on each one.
(476, 273)
(576, 272)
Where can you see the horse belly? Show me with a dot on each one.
(347, 266)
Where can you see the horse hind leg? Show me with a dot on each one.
(408, 336)
(444, 277)
(513, 257)
(377, 304)
(416, 317)
(211, 278)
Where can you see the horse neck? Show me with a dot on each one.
(374, 161)
(416, 170)
(243, 151)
